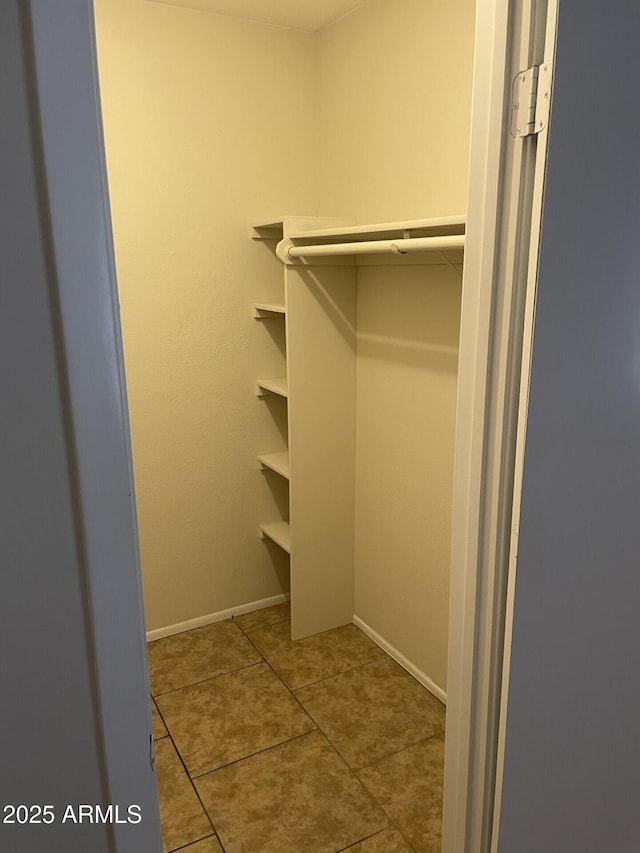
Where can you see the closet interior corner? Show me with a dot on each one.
(292, 378)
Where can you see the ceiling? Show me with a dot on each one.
(300, 14)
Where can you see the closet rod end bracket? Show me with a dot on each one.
(282, 251)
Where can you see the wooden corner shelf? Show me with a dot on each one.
(278, 462)
(267, 310)
(279, 532)
(272, 386)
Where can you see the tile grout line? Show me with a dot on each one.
(195, 790)
(316, 727)
(291, 691)
(260, 627)
(264, 660)
(288, 689)
(191, 778)
(375, 834)
(258, 752)
(155, 705)
(342, 672)
(382, 656)
(394, 822)
(209, 678)
(194, 776)
(372, 797)
(342, 758)
(175, 746)
(385, 655)
(192, 843)
(190, 631)
(399, 751)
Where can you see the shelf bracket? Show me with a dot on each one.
(268, 312)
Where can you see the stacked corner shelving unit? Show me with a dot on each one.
(277, 531)
(272, 232)
(321, 257)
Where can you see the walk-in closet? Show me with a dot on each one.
(288, 189)
(218, 130)
(362, 394)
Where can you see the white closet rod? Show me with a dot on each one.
(288, 252)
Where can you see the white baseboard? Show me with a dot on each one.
(220, 616)
(404, 662)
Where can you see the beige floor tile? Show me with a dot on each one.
(207, 845)
(159, 728)
(196, 655)
(299, 797)
(231, 716)
(262, 618)
(181, 814)
(373, 711)
(389, 841)
(409, 787)
(303, 662)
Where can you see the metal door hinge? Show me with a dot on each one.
(531, 100)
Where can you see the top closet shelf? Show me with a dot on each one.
(274, 227)
(271, 229)
(277, 227)
(437, 227)
(308, 237)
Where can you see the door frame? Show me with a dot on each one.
(506, 185)
(58, 43)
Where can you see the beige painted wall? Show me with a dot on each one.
(395, 102)
(197, 145)
(406, 382)
(395, 89)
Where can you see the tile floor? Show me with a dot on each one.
(264, 745)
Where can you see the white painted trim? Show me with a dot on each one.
(66, 101)
(525, 380)
(494, 289)
(220, 616)
(404, 661)
(491, 46)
